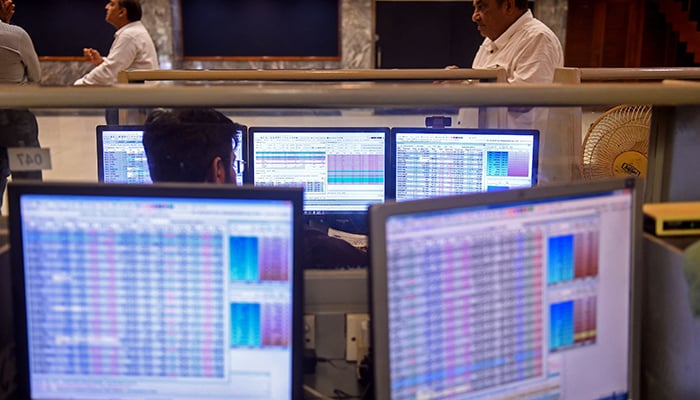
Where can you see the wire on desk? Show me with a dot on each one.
(315, 393)
(338, 394)
(343, 395)
(332, 363)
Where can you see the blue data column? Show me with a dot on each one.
(244, 259)
(245, 325)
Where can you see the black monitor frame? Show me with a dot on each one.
(16, 190)
(378, 277)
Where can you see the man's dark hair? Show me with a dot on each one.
(181, 144)
(519, 4)
(133, 9)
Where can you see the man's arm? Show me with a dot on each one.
(30, 59)
(120, 57)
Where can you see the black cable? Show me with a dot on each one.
(332, 363)
(343, 395)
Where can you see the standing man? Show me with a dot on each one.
(19, 65)
(132, 48)
(515, 41)
(525, 47)
(529, 52)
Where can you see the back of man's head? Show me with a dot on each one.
(133, 9)
(519, 4)
(522, 4)
(183, 144)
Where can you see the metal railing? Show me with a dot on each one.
(339, 75)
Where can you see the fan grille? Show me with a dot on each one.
(616, 144)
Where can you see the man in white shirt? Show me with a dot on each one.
(529, 52)
(132, 48)
(525, 47)
(514, 40)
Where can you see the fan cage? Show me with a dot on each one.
(622, 131)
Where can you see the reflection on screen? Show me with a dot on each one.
(340, 169)
(432, 162)
(527, 301)
(123, 159)
(159, 298)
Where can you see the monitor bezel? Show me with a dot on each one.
(16, 190)
(377, 277)
(534, 133)
(99, 139)
(250, 166)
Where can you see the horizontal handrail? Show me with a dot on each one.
(617, 74)
(335, 75)
(352, 95)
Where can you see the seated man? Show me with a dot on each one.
(190, 145)
(195, 145)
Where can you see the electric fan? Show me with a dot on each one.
(616, 144)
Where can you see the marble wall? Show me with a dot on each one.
(163, 20)
(553, 13)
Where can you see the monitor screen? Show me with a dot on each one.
(342, 170)
(431, 162)
(527, 294)
(121, 158)
(156, 291)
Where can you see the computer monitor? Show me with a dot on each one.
(122, 159)
(156, 291)
(526, 293)
(431, 162)
(342, 170)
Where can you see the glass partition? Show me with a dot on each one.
(68, 117)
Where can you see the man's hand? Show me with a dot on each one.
(7, 10)
(449, 81)
(93, 56)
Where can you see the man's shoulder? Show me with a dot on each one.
(13, 29)
(536, 28)
(134, 29)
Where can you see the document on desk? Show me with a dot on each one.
(359, 241)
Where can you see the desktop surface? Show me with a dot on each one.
(527, 294)
(156, 291)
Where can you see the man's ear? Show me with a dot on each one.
(217, 171)
(509, 5)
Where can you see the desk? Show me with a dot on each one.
(328, 377)
(670, 334)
